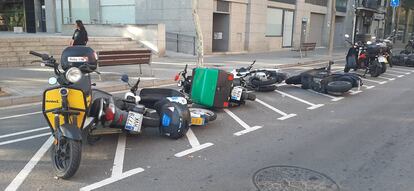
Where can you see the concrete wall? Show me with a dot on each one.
(50, 16)
(238, 10)
(151, 36)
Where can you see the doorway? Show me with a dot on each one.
(316, 28)
(221, 27)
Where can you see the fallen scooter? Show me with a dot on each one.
(323, 81)
(73, 109)
(212, 88)
(262, 80)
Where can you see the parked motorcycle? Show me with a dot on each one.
(258, 79)
(369, 57)
(323, 81)
(224, 93)
(72, 109)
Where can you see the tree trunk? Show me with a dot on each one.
(199, 35)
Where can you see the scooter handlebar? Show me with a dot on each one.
(43, 56)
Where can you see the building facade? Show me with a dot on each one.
(227, 25)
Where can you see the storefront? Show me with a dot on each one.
(22, 16)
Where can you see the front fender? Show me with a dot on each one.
(71, 132)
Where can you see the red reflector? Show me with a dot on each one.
(230, 77)
(177, 77)
(362, 56)
(226, 104)
(109, 115)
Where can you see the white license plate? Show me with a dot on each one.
(382, 59)
(134, 122)
(77, 59)
(236, 93)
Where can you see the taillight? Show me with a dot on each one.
(230, 77)
(110, 112)
(177, 77)
(226, 104)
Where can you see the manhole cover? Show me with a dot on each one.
(291, 178)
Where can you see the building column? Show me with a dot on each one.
(50, 7)
(300, 16)
(256, 26)
(94, 11)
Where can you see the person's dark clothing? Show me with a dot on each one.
(80, 37)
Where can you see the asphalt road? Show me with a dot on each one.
(363, 141)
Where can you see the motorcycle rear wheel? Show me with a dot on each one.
(66, 160)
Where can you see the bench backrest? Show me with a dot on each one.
(124, 57)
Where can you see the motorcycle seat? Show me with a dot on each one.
(149, 96)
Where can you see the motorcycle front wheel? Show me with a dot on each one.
(209, 115)
(66, 157)
(375, 69)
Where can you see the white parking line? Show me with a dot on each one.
(119, 156)
(390, 79)
(246, 127)
(23, 132)
(117, 168)
(398, 72)
(112, 179)
(312, 106)
(333, 98)
(402, 69)
(284, 115)
(353, 92)
(375, 81)
(368, 87)
(195, 144)
(394, 75)
(18, 180)
(23, 139)
(20, 115)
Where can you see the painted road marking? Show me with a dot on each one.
(246, 127)
(352, 92)
(284, 115)
(18, 180)
(375, 81)
(112, 179)
(312, 106)
(20, 115)
(402, 69)
(390, 79)
(398, 72)
(333, 98)
(119, 156)
(23, 132)
(368, 87)
(395, 75)
(195, 144)
(117, 168)
(24, 139)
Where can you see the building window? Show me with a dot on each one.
(274, 24)
(285, 1)
(318, 2)
(118, 12)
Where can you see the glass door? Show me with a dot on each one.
(287, 28)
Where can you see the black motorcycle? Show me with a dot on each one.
(369, 56)
(262, 80)
(323, 81)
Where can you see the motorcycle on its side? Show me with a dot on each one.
(226, 91)
(262, 80)
(73, 109)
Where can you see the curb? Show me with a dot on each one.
(20, 100)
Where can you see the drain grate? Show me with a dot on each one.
(292, 178)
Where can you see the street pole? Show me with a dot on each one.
(199, 35)
(393, 20)
(332, 32)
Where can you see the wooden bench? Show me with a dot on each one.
(125, 57)
(306, 46)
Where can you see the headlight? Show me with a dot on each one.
(73, 75)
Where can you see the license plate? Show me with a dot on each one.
(197, 121)
(236, 93)
(134, 122)
(382, 59)
(77, 59)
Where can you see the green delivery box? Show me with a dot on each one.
(211, 87)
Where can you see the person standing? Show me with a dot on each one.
(80, 36)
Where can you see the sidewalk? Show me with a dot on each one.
(26, 84)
